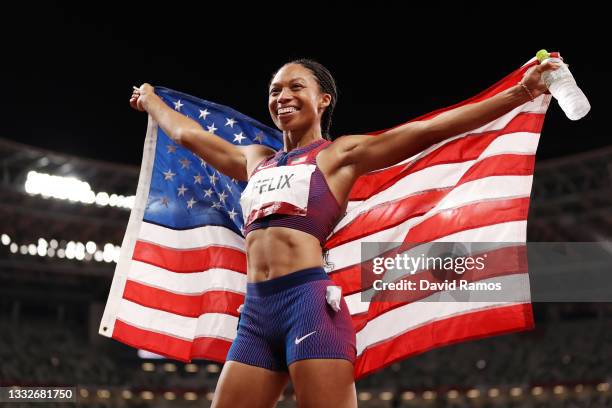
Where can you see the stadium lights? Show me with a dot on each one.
(537, 390)
(169, 395)
(83, 392)
(148, 367)
(559, 389)
(408, 395)
(210, 396)
(494, 392)
(73, 250)
(147, 395)
(386, 396)
(169, 367)
(365, 396)
(452, 394)
(516, 391)
(603, 387)
(473, 393)
(190, 396)
(104, 394)
(579, 388)
(191, 368)
(213, 368)
(429, 395)
(73, 189)
(126, 394)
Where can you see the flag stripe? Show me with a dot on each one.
(191, 260)
(441, 332)
(192, 238)
(188, 283)
(213, 301)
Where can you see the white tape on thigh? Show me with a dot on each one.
(333, 295)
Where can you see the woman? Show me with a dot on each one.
(291, 203)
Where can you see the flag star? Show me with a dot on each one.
(171, 149)
(198, 179)
(229, 187)
(232, 214)
(211, 128)
(202, 163)
(259, 137)
(164, 201)
(234, 180)
(182, 189)
(222, 196)
(178, 105)
(191, 202)
(213, 179)
(216, 205)
(168, 175)
(230, 122)
(204, 113)
(185, 163)
(208, 192)
(238, 137)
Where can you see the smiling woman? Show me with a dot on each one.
(290, 325)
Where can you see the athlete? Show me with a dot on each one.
(289, 329)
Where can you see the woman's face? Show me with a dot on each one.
(295, 100)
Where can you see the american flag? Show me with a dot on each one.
(181, 275)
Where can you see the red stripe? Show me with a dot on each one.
(158, 343)
(395, 212)
(469, 326)
(499, 262)
(202, 347)
(469, 147)
(214, 301)
(190, 260)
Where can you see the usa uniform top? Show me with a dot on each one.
(289, 190)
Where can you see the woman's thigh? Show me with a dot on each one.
(241, 385)
(324, 383)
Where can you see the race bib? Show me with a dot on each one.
(277, 190)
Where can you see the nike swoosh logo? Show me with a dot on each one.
(298, 340)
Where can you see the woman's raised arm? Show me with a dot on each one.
(231, 160)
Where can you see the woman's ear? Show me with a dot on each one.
(324, 100)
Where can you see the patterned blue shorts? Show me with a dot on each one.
(287, 319)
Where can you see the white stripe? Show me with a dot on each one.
(200, 237)
(188, 283)
(217, 325)
(514, 231)
(436, 307)
(489, 188)
(441, 175)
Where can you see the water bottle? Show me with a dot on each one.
(563, 87)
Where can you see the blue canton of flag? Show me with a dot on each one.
(187, 192)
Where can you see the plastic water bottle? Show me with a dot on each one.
(563, 87)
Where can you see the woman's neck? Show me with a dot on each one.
(297, 139)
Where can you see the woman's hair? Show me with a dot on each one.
(327, 85)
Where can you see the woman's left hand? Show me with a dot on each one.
(533, 77)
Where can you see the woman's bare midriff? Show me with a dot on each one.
(276, 251)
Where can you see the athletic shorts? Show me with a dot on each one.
(287, 319)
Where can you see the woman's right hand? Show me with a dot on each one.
(139, 95)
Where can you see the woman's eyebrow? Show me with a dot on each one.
(291, 80)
